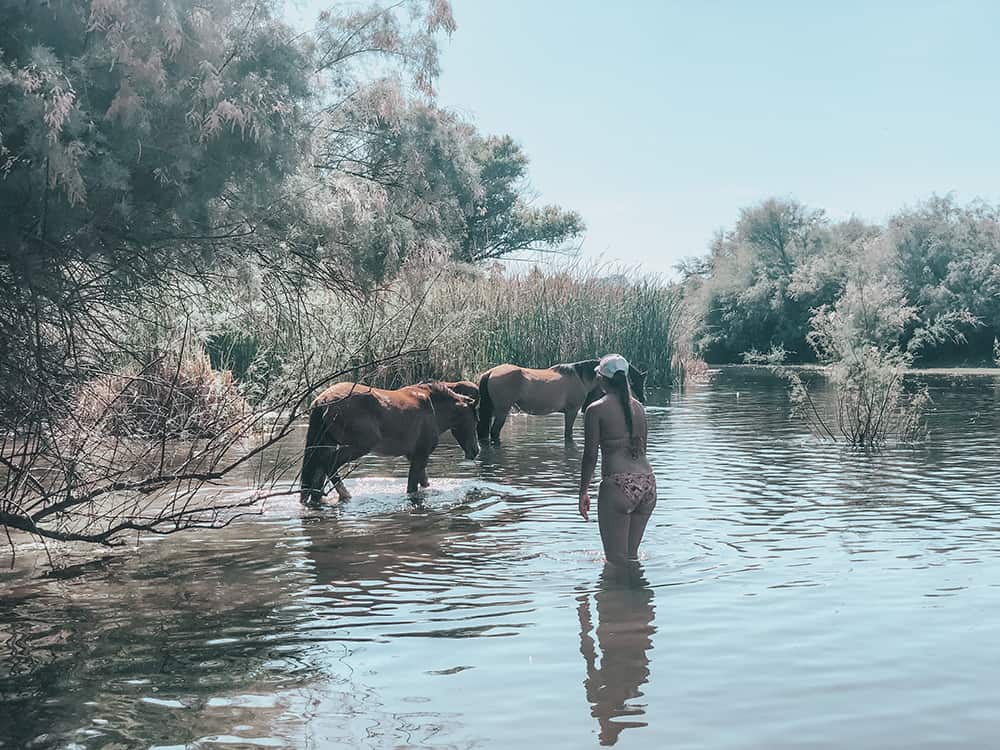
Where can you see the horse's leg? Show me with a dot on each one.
(418, 473)
(315, 473)
(500, 416)
(342, 455)
(570, 416)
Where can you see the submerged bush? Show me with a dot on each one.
(871, 405)
(858, 342)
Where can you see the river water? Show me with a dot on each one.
(791, 595)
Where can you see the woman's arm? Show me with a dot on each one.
(591, 445)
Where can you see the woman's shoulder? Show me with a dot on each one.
(599, 405)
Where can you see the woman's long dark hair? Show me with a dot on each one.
(620, 387)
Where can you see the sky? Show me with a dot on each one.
(658, 121)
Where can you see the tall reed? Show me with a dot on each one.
(538, 319)
(462, 321)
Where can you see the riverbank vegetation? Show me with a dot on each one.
(208, 215)
(459, 320)
(763, 280)
(858, 342)
(866, 301)
(174, 171)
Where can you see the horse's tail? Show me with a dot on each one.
(312, 459)
(485, 406)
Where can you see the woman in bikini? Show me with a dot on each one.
(616, 423)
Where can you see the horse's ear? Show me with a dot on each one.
(464, 388)
(637, 379)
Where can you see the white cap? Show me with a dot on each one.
(610, 364)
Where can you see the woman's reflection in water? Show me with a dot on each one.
(624, 603)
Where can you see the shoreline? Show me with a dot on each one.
(933, 370)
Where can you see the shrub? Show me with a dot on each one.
(858, 342)
(180, 397)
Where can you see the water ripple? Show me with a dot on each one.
(792, 593)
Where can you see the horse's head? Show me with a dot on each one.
(465, 388)
(592, 395)
(637, 379)
(463, 425)
(458, 413)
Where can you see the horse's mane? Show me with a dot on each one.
(583, 368)
(437, 388)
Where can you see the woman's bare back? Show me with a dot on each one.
(620, 452)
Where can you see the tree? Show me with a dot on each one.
(424, 181)
(154, 156)
(947, 260)
(780, 232)
(753, 294)
(140, 140)
(500, 221)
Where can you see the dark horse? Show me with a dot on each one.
(561, 388)
(349, 420)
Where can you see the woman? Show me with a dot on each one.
(617, 424)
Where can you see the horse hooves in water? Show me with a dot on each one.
(314, 502)
(342, 493)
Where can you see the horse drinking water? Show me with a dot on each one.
(563, 388)
(349, 420)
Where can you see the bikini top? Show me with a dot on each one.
(636, 443)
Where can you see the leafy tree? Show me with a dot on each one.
(139, 140)
(500, 221)
(152, 158)
(421, 180)
(753, 296)
(947, 261)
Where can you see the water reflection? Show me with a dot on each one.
(624, 603)
(427, 570)
(137, 650)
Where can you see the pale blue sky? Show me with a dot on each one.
(658, 121)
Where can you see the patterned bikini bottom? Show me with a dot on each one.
(639, 490)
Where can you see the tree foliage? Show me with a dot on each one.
(763, 281)
(499, 219)
(755, 292)
(174, 172)
(421, 180)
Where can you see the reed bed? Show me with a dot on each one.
(538, 319)
(458, 322)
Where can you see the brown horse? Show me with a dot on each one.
(350, 420)
(561, 388)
